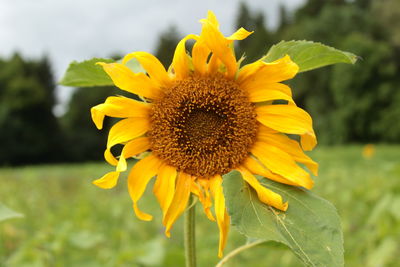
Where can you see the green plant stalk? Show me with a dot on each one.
(189, 232)
(237, 251)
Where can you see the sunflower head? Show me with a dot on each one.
(201, 119)
(203, 125)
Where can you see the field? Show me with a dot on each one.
(70, 222)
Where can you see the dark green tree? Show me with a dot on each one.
(349, 103)
(254, 46)
(30, 131)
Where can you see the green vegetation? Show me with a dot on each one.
(70, 222)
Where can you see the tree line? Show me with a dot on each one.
(349, 104)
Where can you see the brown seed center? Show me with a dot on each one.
(203, 126)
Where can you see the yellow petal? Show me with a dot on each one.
(223, 219)
(273, 91)
(219, 46)
(239, 34)
(152, 66)
(264, 194)
(180, 62)
(125, 79)
(200, 54)
(132, 148)
(124, 131)
(211, 18)
(203, 193)
(97, 116)
(140, 214)
(280, 162)
(291, 147)
(179, 202)
(288, 119)
(280, 70)
(308, 141)
(257, 168)
(109, 157)
(138, 179)
(215, 64)
(109, 180)
(264, 129)
(118, 107)
(260, 83)
(164, 187)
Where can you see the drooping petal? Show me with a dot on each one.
(219, 46)
(239, 35)
(202, 191)
(179, 202)
(256, 167)
(308, 141)
(280, 70)
(118, 107)
(264, 194)
(223, 219)
(125, 79)
(164, 187)
(288, 119)
(180, 62)
(108, 181)
(132, 148)
(280, 162)
(152, 66)
(292, 147)
(124, 131)
(138, 179)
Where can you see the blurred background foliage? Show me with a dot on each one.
(349, 104)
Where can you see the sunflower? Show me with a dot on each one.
(202, 118)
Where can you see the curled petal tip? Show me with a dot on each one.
(168, 233)
(141, 215)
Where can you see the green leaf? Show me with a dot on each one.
(309, 55)
(87, 74)
(7, 213)
(310, 227)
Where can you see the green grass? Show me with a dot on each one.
(70, 222)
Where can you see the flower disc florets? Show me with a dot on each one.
(203, 126)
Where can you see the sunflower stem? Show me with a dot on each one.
(189, 232)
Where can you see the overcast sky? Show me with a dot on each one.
(67, 30)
